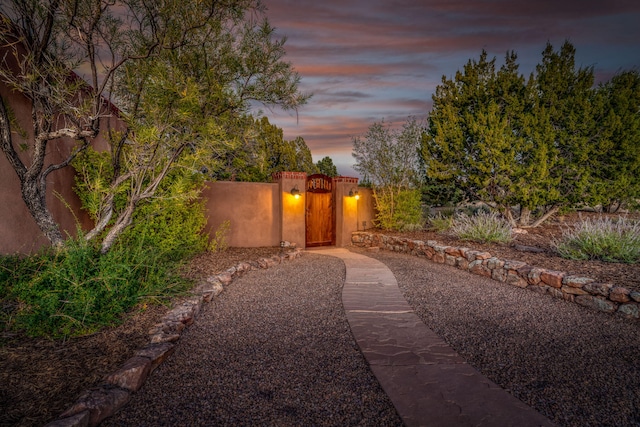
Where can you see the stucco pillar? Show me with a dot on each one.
(292, 213)
(347, 208)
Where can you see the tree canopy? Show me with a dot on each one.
(325, 166)
(182, 73)
(533, 143)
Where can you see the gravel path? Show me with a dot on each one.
(577, 366)
(274, 349)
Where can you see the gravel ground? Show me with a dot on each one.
(274, 349)
(574, 365)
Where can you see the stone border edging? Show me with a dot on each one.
(584, 291)
(98, 403)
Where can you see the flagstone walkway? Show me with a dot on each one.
(427, 381)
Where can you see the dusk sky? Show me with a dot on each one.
(372, 60)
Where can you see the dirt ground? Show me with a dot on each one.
(40, 378)
(542, 238)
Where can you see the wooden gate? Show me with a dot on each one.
(320, 211)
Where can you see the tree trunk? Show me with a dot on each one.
(123, 221)
(34, 198)
(525, 216)
(546, 216)
(32, 188)
(509, 216)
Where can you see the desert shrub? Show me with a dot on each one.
(485, 227)
(218, 242)
(76, 291)
(441, 222)
(398, 210)
(603, 239)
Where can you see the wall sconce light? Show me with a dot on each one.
(295, 192)
(354, 193)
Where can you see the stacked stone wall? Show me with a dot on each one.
(585, 291)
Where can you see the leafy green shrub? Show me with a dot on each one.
(398, 210)
(441, 222)
(602, 239)
(485, 227)
(75, 291)
(219, 241)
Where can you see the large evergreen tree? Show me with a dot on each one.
(616, 160)
(514, 143)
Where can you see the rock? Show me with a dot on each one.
(162, 337)
(483, 255)
(132, 374)
(573, 291)
(576, 281)
(156, 353)
(493, 263)
(453, 251)
(477, 267)
(533, 276)
(597, 303)
(101, 403)
(635, 295)
(556, 293)
(438, 257)
(596, 288)
(552, 278)
(631, 310)
(373, 249)
(225, 277)
(514, 279)
(619, 294)
(450, 260)
(499, 274)
(462, 263)
(276, 259)
(78, 420)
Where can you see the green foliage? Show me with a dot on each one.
(75, 291)
(219, 241)
(510, 142)
(441, 222)
(398, 211)
(325, 166)
(602, 239)
(388, 157)
(261, 152)
(616, 163)
(483, 227)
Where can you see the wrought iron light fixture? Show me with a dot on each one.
(295, 192)
(354, 193)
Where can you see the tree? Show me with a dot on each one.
(325, 166)
(390, 161)
(616, 161)
(260, 152)
(562, 130)
(179, 71)
(509, 142)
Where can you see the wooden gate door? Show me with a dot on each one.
(320, 212)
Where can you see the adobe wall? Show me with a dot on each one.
(292, 220)
(253, 209)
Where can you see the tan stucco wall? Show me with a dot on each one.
(252, 209)
(293, 210)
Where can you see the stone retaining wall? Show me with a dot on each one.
(101, 402)
(585, 291)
